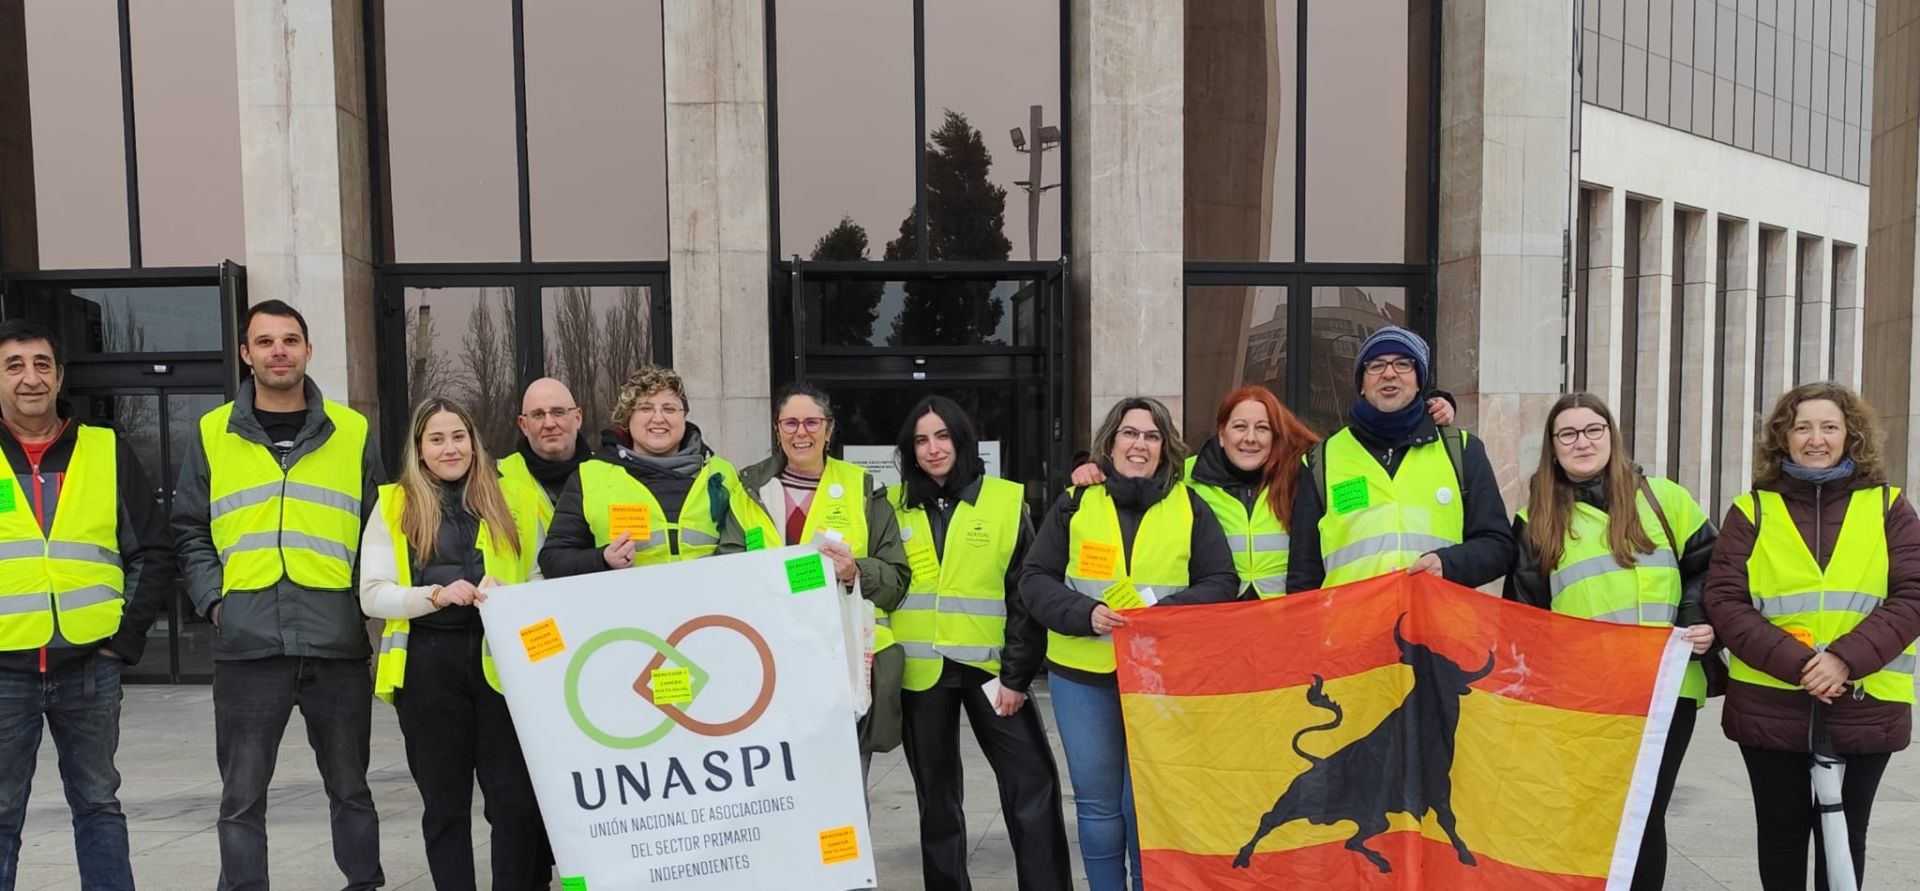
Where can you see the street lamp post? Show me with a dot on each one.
(1045, 139)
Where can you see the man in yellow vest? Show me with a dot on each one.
(85, 564)
(1393, 491)
(551, 446)
(272, 496)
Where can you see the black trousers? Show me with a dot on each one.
(1783, 810)
(1651, 872)
(1016, 747)
(456, 728)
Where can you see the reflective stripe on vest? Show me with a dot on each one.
(508, 567)
(69, 579)
(1375, 523)
(1817, 605)
(956, 603)
(1162, 552)
(301, 522)
(514, 467)
(1258, 540)
(1591, 584)
(606, 487)
(846, 513)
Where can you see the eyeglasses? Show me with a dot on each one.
(795, 425)
(1379, 367)
(666, 411)
(1128, 434)
(540, 415)
(1567, 436)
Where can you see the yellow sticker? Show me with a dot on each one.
(672, 686)
(924, 564)
(542, 639)
(1123, 595)
(634, 518)
(839, 845)
(1097, 559)
(1801, 634)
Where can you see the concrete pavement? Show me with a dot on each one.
(171, 794)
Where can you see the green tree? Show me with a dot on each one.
(966, 220)
(847, 314)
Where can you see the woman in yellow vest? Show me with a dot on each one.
(970, 646)
(653, 494)
(1140, 539)
(1600, 541)
(449, 529)
(1815, 591)
(800, 496)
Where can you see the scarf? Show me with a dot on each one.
(1818, 475)
(1387, 428)
(552, 475)
(1136, 493)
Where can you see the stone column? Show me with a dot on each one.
(19, 235)
(1699, 310)
(1741, 326)
(1127, 150)
(1892, 380)
(1606, 295)
(1779, 317)
(717, 188)
(1848, 314)
(304, 176)
(1816, 311)
(1653, 359)
(1506, 93)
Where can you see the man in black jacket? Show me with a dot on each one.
(73, 610)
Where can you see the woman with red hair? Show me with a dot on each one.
(1247, 472)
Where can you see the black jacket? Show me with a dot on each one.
(1211, 577)
(1026, 639)
(456, 556)
(1527, 584)
(1484, 555)
(146, 550)
(571, 548)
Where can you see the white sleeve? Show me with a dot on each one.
(381, 595)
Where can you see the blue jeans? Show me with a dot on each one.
(1096, 745)
(80, 703)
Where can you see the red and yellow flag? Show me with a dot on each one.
(1402, 732)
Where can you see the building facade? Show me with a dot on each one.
(1035, 206)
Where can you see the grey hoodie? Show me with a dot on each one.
(285, 619)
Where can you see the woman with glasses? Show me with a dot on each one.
(1140, 539)
(654, 493)
(1598, 540)
(798, 495)
(1815, 590)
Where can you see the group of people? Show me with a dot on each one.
(289, 536)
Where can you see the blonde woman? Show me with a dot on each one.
(448, 530)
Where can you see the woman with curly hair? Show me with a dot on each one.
(1814, 588)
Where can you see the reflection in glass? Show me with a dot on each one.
(1012, 414)
(846, 140)
(966, 211)
(93, 321)
(460, 343)
(597, 336)
(1242, 129)
(596, 120)
(79, 140)
(187, 120)
(1366, 173)
(195, 643)
(1343, 317)
(136, 417)
(989, 61)
(451, 158)
(919, 312)
(1235, 335)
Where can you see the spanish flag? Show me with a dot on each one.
(1401, 732)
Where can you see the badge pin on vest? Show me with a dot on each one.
(836, 490)
(1443, 495)
(906, 533)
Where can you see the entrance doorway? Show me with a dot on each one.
(147, 357)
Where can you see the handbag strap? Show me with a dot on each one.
(1661, 515)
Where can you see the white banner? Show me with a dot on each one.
(689, 726)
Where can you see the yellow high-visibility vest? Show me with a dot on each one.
(1375, 523)
(514, 467)
(610, 497)
(1097, 563)
(1258, 539)
(300, 522)
(956, 603)
(72, 571)
(839, 504)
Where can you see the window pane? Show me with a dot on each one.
(452, 162)
(1242, 69)
(1763, 125)
(1659, 99)
(1681, 114)
(839, 158)
(1636, 23)
(1722, 109)
(597, 337)
(1660, 27)
(93, 321)
(1366, 173)
(461, 344)
(1743, 117)
(1634, 91)
(79, 139)
(186, 104)
(1590, 66)
(1744, 52)
(596, 130)
(1611, 73)
(1235, 335)
(922, 312)
(1703, 110)
(1683, 31)
(968, 100)
(1343, 317)
(1764, 74)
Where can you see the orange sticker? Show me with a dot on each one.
(542, 639)
(633, 518)
(1097, 559)
(1801, 634)
(839, 845)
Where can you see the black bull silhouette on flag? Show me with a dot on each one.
(1404, 765)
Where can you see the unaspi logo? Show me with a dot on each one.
(667, 649)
